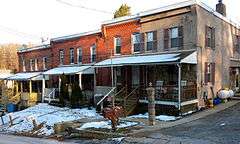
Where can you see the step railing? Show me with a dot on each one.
(104, 97)
(131, 98)
(51, 95)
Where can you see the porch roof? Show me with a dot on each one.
(25, 76)
(69, 70)
(190, 58)
(4, 76)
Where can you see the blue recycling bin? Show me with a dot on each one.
(11, 107)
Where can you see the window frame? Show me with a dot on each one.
(79, 56)
(117, 45)
(136, 42)
(23, 65)
(31, 64)
(61, 57)
(93, 53)
(44, 63)
(36, 64)
(71, 55)
(174, 39)
(149, 41)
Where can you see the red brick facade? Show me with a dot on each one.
(103, 40)
(38, 54)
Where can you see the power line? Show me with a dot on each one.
(83, 7)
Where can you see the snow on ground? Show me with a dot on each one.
(106, 125)
(44, 113)
(160, 117)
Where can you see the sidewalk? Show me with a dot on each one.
(193, 117)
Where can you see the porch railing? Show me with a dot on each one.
(170, 93)
(50, 94)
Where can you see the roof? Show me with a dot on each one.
(34, 48)
(25, 76)
(75, 35)
(190, 58)
(68, 70)
(171, 7)
(5, 75)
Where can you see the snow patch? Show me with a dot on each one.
(160, 117)
(106, 125)
(46, 115)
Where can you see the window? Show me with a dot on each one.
(71, 55)
(176, 34)
(237, 43)
(23, 65)
(209, 73)
(44, 63)
(151, 40)
(36, 64)
(136, 41)
(93, 53)
(61, 57)
(117, 45)
(31, 64)
(210, 37)
(79, 55)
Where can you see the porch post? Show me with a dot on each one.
(179, 86)
(21, 87)
(43, 88)
(80, 80)
(30, 86)
(59, 84)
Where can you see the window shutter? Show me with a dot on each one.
(213, 73)
(180, 36)
(142, 42)
(166, 39)
(213, 38)
(205, 73)
(154, 40)
(206, 36)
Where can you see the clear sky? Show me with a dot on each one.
(24, 21)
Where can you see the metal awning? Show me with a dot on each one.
(26, 76)
(189, 57)
(70, 70)
(4, 76)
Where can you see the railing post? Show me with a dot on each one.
(179, 86)
(151, 104)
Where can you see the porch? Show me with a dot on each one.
(83, 76)
(172, 75)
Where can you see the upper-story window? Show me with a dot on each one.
(61, 57)
(23, 65)
(136, 42)
(79, 55)
(93, 53)
(176, 37)
(237, 43)
(31, 64)
(71, 55)
(117, 45)
(151, 40)
(36, 64)
(173, 37)
(210, 37)
(44, 63)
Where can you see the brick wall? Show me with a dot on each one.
(84, 42)
(35, 54)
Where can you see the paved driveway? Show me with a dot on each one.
(222, 127)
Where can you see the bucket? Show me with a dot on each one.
(11, 107)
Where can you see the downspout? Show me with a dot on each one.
(179, 86)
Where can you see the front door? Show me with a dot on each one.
(135, 76)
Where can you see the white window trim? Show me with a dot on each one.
(71, 55)
(36, 64)
(132, 42)
(148, 41)
(23, 65)
(78, 55)
(44, 63)
(31, 64)
(115, 45)
(91, 53)
(61, 54)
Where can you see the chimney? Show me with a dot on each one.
(221, 8)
